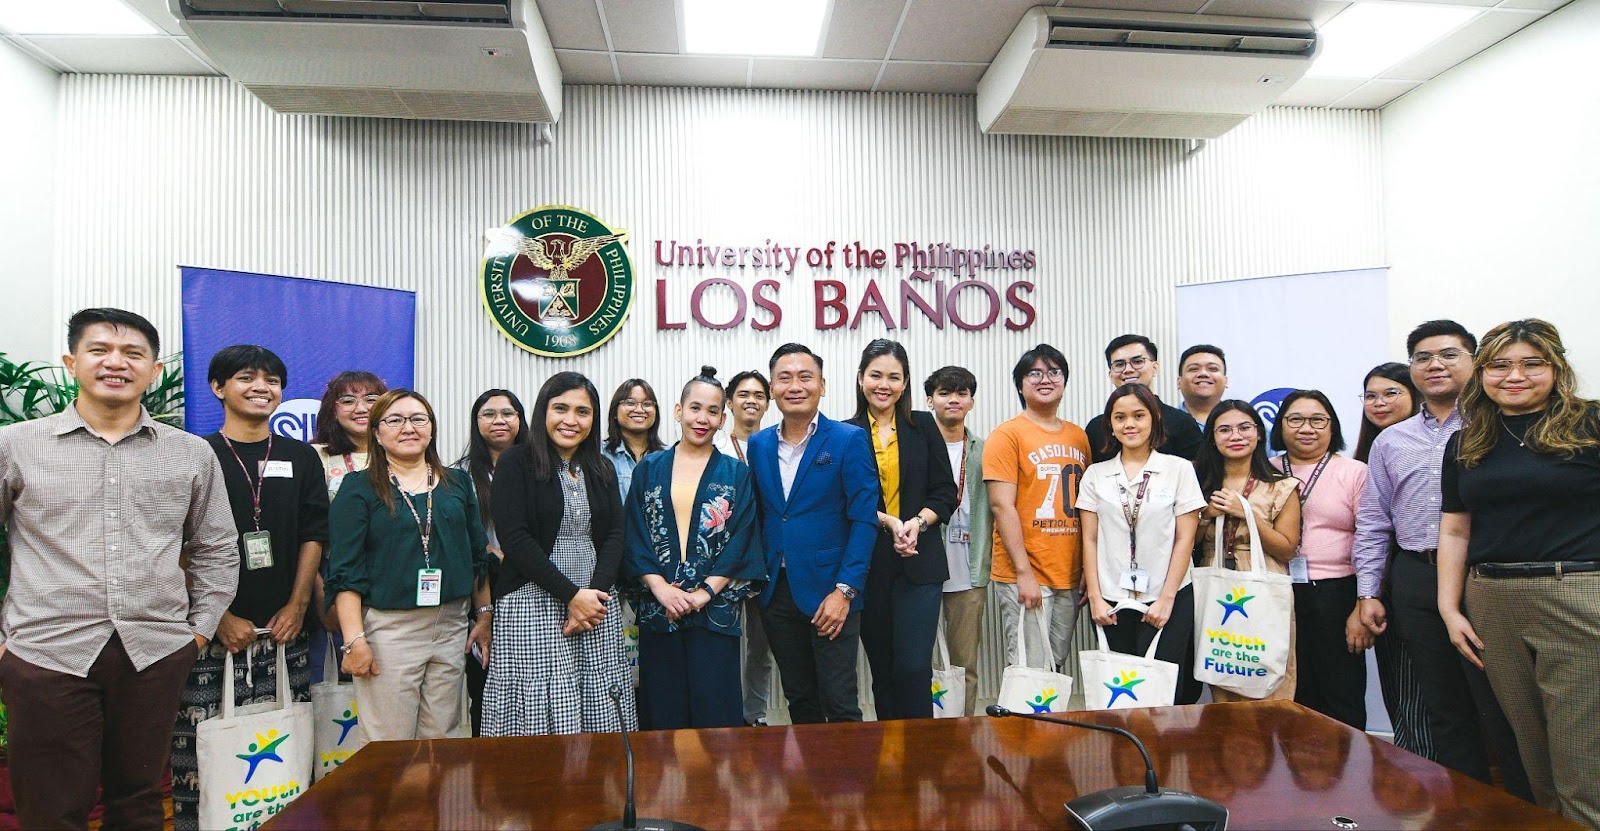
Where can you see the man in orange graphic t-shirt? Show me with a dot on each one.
(1032, 465)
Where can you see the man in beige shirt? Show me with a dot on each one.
(123, 558)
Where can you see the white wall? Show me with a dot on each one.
(27, 209)
(161, 171)
(1492, 188)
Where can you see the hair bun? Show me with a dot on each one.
(708, 372)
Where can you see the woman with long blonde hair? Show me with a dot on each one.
(1520, 537)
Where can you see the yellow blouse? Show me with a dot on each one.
(888, 456)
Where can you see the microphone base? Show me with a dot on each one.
(645, 824)
(1115, 809)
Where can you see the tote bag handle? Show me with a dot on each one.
(1258, 555)
(282, 664)
(944, 648)
(1100, 631)
(1044, 633)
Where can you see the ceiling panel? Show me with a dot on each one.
(1537, 5)
(1318, 92)
(862, 28)
(1316, 11)
(957, 30)
(158, 13)
(1171, 6)
(683, 70)
(573, 24)
(1480, 34)
(585, 67)
(145, 55)
(904, 76)
(1375, 94)
(642, 25)
(801, 73)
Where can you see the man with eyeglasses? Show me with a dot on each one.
(1400, 506)
(1032, 465)
(1131, 359)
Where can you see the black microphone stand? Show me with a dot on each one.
(629, 821)
(1133, 806)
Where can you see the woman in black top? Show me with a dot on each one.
(1521, 485)
(905, 581)
(557, 649)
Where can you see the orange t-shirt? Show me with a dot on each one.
(1046, 466)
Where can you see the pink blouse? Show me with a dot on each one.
(1328, 517)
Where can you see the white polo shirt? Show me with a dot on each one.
(1173, 491)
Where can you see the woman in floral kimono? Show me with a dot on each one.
(693, 554)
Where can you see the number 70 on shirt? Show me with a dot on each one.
(1052, 473)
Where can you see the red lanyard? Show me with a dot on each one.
(961, 475)
(255, 484)
(425, 530)
(1131, 513)
(349, 464)
(737, 450)
(1311, 482)
(1230, 526)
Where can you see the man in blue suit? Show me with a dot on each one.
(819, 505)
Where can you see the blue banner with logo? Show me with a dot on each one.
(320, 329)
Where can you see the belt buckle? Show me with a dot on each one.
(1558, 569)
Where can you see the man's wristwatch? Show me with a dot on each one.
(844, 589)
(1367, 597)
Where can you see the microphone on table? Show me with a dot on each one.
(629, 821)
(1133, 806)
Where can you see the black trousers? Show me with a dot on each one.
(1332, 680)
(818, 674)
(1462, 709)
(899, 622)
(1132, 636)
(690, 678)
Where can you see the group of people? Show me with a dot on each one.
(1459, 539)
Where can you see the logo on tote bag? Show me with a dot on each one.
(1234, 602)
(347, 723)
(1041, 702)
(557, 281)
(263, 749)
(1123, 684)
(939, 693)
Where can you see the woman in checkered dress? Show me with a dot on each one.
(557, 649)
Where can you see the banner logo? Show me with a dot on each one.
(1234, 602)
(296, 419)
(557, 281)
(264, 748)
(1268, 403)
(1123, 684)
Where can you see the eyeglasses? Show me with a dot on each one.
(1135, 362)
(1246, 429)
(1531, 367)
(491, 415)
(630, 404)
(1386, 396)
(419, 421)
(1036, 375)
(1295, 422)
(1448, 357)
(350, 400)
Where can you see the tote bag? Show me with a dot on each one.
(338, 722)
(949, 684)
(254, 759)
(1116, 681)
(1025, 689)
(1242, 621)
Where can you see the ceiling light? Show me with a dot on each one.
(80, 17)
(754, 27)
(1368, 38)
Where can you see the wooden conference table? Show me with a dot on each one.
(1273, 764)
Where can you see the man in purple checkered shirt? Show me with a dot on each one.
(1401, 504)
(123, 559)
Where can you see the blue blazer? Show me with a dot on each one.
(824, 531)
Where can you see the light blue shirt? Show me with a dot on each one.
(624, 463)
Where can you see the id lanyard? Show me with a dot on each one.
(961, 475)
(1230, 526)
(1299, 568)
(1311, 481)
(737, 450)
(1131, 513)
(426, 530)
(256, 483)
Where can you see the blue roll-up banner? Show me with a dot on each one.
(320, 329)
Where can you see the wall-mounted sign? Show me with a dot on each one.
(557, 281)
(906, 284)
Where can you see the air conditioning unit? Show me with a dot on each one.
(1087, 72)
(469, 61)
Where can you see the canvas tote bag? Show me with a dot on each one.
(949, 684)
(254, 759)
(338, 722)
(1242, 620)
(1116, 681)
(1026, 689)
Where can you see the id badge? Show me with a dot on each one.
(429, 582)
(960, 534)
(1300, 570)
(1135, 580)
(257, 549)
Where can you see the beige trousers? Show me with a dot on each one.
(963, 622)
(421, 680)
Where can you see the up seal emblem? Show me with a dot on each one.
(557, 281)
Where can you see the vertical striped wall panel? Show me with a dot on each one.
(160, 171)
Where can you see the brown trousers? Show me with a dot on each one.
(111, 729)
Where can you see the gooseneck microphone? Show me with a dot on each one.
(630, 821)
(1130, 807)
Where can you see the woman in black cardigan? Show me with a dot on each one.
(557, 647)
(905, 580)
